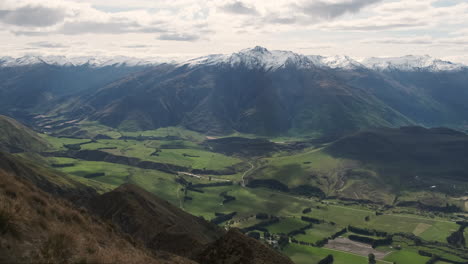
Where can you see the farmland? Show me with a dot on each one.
(212, 182)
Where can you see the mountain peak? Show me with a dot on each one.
(411, 63)
(255, 58)
(260, 49)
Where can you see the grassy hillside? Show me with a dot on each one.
(15, 137)
(36, 227)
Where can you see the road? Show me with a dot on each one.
(202, 177)
(245, 173)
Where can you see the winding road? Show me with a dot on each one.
(245, 173)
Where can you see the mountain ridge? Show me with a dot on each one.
(252, 57)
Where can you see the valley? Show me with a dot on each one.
(295, 189)
(258, 156)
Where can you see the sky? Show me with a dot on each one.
(191, 28)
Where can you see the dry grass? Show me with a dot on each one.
(38, 228)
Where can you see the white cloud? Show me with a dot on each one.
(353, 27)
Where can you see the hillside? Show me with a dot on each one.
(155, 222)
(15, 137)
(160, 226)
(411, 157)
(256, 91)
(36, 227)
(127, 225)
(45, 178)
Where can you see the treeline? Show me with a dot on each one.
(220, 218)
(457, 238)
(300, 230)
(261, 226)
(321, 242)
(367, 232)
(372, 241)
(304, 190)
(339, 233)
(435, 258)
(215, 184)
(419, 242)
(327, 260)
(77, 146)
(227, 198)
(312, 220)
(448, 208)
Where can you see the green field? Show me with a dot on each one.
(311, 166)
(307, 255)
(406, 256)
(318, 232)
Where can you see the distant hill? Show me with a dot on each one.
(410, 157)
(242, 93)
(15, 137)
(257, 91)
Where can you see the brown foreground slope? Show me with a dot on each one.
(36, 227)
(154, 221)
(161, 226)
(127, 225)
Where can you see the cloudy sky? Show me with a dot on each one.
(188, 28)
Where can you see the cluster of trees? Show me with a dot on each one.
(457, 238)
(227, 198)
(220, 218)
(312, 220)
(435, 258)
(371, 241)
(339, 233)
(261, 226)
(215, 184)
(367, 232)
(327, 260)
(300, 230)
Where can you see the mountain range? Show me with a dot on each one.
(252, 91)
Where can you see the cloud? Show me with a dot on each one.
(178, 37)
(239, 8)
(33, 16)
(111, 27)
(331, 10)
(376, 27)
(94, 27)
(277, 19)
(46, 44)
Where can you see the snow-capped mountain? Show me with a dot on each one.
(84, 60)
(255, 58)
(261, 58)
(411, 63)
(340, 62)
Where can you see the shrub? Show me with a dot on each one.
(327, 260)
(7, 224)
(57, 249)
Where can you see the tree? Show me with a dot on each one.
(327, 260)
(372, 259)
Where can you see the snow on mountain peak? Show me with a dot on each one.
(341, 62)
(411, 63)
(252, 58)
(255, 58)
(81, 61)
